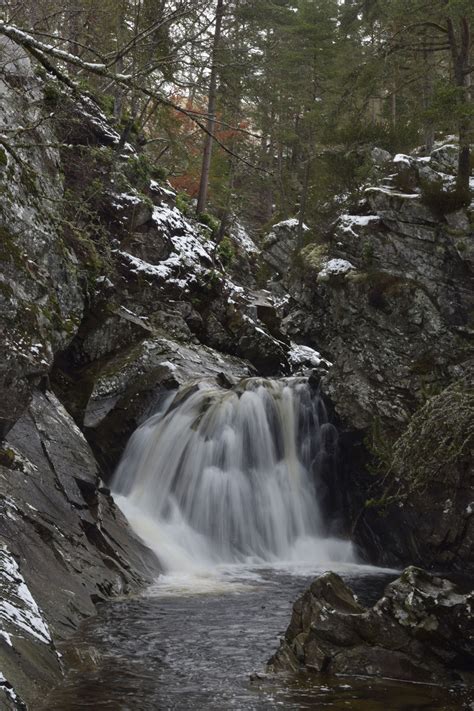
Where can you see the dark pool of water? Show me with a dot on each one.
(191, 645)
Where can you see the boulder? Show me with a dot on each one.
(421, 630)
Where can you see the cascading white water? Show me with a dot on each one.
(221, 476)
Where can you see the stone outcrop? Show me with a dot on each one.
(109, 296)
(65, 546)
(421, 630)
(387, 296)
(41, 300)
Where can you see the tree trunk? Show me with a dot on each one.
(428, 91)
(211, 112)
(460, 53)
(304, 202)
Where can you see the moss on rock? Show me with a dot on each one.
(438, 439)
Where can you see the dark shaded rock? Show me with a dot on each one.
(426, 501)
(64, 545)
(387, 296)
(112, 396)
(421, 630)
(41, 297)
(280, 245)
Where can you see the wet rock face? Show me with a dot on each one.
(41, 301)
(420, 630)
(64, 547)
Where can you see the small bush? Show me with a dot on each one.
(210, 221)
(52, 93)
(138, 170)
(183, 204)
(225, 252)
(159, 173)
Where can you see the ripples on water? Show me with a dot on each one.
(192, 643)
(227, 476)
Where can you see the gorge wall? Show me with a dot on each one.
(110, 296)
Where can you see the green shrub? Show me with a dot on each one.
(210, 221)
(159, 173)
(183, 203)
(139, 171)
(52, 93)
(225, 252)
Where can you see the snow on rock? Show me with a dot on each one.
(334, 267)
(291, 224)
(18, 609)
(10, 692)
(303, 354)
(393, 193)
(242, 238)
(347, 223)
(162, 190)
(190, 257)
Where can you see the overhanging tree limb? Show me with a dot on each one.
(42, 52)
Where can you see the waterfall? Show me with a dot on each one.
(232, 475)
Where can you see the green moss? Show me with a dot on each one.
(210, 221)
(436, 445)
(225, 251)
(439, 437)
(7, 457)
(3, 158)
(313, 256)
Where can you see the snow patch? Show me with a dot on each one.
(243, 239)
(21, 610)
(291, 224)
(347, 223)
(402, 158)
(334, 267)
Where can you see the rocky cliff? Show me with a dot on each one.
(111, 294)
(387, 295)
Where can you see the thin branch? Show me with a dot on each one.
(39, 50)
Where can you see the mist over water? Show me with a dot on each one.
(222, 477)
